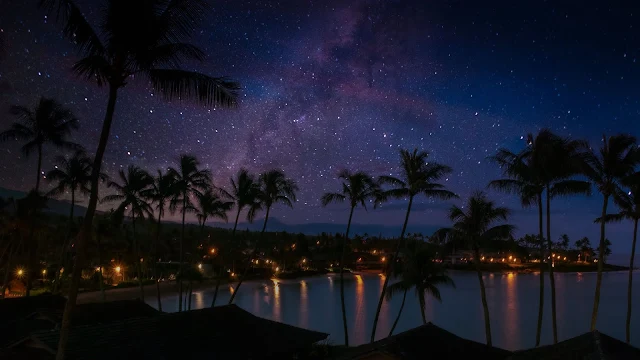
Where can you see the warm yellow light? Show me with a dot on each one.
(61, 270)
(233, 274)
(384, 259)
(257, 261)
(304, 260)
(482, 258)
(565, 258)
(141, 259)
(318, 242)
(277, 268)
(19, 272)
(212, 251)
(502, 259)
(200, 266)
(375, 251)
(359, 259)
(98, 269)
(553, 254)
(510, 257)
(117, 269)
(491, 260)
(44, 272)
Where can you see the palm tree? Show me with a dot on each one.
(616, 161)
(423, 274)
(48, 123)
(245, 193)
(211, 205)
(629, 205)
(105, 225)
(274, 188)
(145, 39)
(524, 180)
(189, 181)
(162, 190)
(131, 192)
(73, 175)
(419, 177)
(357, 189)
(475, 227)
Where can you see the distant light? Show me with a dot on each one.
(98, 269)
(212, 251)
(304, 260)
(384, 259)
(200, 266)
(44, 272)
(510, 257)
(117, 269)
(277, 268)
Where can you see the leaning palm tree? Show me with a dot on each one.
(189, 181)
(135, 39)
(629, 205)
(245, 193)
(211, 206)
(130, 192)
(422, 274)
(49, 123)
(419, 177)
(357, 189)
(617, 160)
(274, 188)
(162, 190)
(524, 180)
(475, 225)
(72, 175)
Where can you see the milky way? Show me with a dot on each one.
(329, 85)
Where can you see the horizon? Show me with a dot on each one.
(318, 79)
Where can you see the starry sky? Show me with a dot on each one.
(329, 85)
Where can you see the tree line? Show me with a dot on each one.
(149, 40)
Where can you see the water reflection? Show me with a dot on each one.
(511, 316)
(304, 304)
(360, 310)
(276, 300)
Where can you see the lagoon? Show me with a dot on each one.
(314, 303)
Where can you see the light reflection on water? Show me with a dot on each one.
(314, 303)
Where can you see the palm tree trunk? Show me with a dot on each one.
(32, 248)
(85, 231)
(395, 323)
(388, 271)
(246, 269)
(7, 272)
(552, 281)
(596, 299)
(423, 304)
(629, 286)
(233, 236)
(104, 295)
(65, 243)
(184, 212)
(136, 251)
(190, 293)
(541, 299)
(155, 260)
(483, 294)
(342, 259)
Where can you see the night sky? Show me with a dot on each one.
(345, 84)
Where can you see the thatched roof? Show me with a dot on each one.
(214, 333)
(426, 341)
(590, 346)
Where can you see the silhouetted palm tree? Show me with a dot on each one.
(419, 177)
(617, 160)
(104, 225)
(73, 175)
(189, 181)
(629, 205)
(474, 224)
(357, 189)
(245, 193)
(423, 274)
(145, 39)
(274, 188)
(525, 181)
(211, 205)
(49, 123)
(162, 190)
(131, 194)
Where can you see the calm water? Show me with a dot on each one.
(314, 303)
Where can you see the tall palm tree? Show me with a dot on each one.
(189, 181)
(48, 123)
(274, 188)
(629, 205)
(423, 274)
(476, 226)
(73, 175)
(617, 160)
(245, 193)
(145, 39)
(161, 192)
(131, 193)
(357, 189)
(211, 205)
(419, 177)
(524, 180)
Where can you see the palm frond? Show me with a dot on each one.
(75, 26)
(329, 198)
(182, 84)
